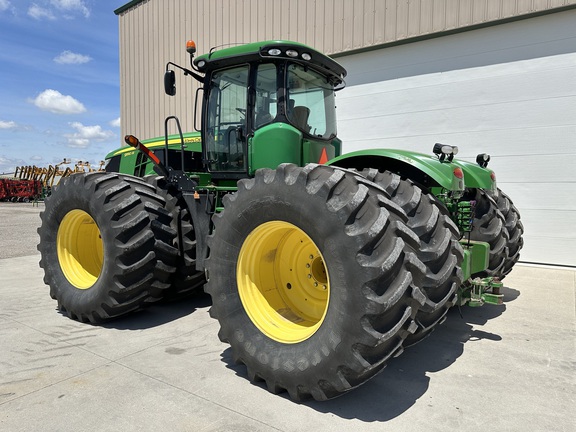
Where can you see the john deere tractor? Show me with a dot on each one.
(321, 265)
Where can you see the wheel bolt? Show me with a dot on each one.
(315, 284)
(307, 265)
(309, 276)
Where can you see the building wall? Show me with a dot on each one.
(509, 91)
(506, 89)
(153, 32)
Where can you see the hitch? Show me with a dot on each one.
(479, 291)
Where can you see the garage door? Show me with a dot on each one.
(507, 90)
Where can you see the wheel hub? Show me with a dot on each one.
(282, 282)
(80, 249)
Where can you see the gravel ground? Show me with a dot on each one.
(18, 225)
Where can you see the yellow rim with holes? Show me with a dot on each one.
(282, 281)
(80, 249)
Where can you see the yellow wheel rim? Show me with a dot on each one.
(283, 282)
(80, 249)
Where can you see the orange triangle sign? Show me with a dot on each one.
(323, 157)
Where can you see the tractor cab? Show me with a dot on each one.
(264, 104)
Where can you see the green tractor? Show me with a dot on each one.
(321, 265)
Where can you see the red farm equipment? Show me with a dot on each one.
(19, 190)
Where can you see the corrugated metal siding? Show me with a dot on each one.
(153, 32)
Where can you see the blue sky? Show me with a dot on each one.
(59, 81)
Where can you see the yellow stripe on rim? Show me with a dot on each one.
(80, 249)
(283, 282)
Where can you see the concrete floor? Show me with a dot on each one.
(499, 368)
(18, 225)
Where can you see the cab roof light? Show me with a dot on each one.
(289, 53)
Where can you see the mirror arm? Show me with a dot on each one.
(198, 78)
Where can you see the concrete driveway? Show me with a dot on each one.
(496, 368)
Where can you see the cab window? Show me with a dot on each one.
(265, 109)
(311, 105)
(226, 120)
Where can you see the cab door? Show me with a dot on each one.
(226, 123)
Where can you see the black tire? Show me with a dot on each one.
(366, 286)
(92, 279)
(514, 228)
(186, 280)
(440, 249)
(489, 226)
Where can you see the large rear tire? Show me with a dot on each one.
(314, 279)
(106, 245)
(186, 280)
(440, 249)
(514, 228)
(489, 226)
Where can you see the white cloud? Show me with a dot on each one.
(72, 5)
(4, 5)
(49, 7)
(7, 124)
(36, 158)
(84, 135)
(115, 122)
(56, 102)
(39, 13)
(68, 57)
(8, 165)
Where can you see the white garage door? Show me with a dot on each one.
(507, 90)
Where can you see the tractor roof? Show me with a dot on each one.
(269, 50)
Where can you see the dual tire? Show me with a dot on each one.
(440, 250)
(318, 275)
(106, 245)
(187, 279)
(315, 279)
(497, 222)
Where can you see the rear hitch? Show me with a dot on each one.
(479, 291)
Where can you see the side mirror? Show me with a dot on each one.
(170, 83)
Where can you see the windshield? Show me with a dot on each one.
(311, 106)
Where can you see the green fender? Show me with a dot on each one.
(428, 171)
(477, 177)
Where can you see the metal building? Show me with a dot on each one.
(495, 76)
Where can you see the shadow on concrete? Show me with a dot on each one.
(160, 313)
(405, 379)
